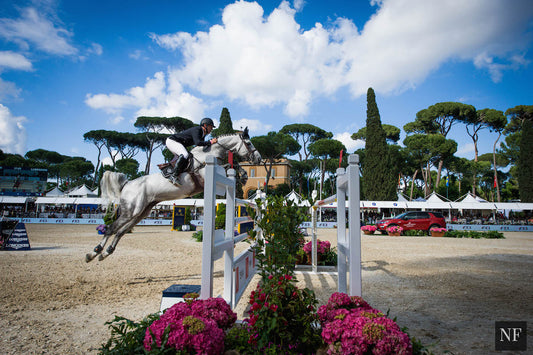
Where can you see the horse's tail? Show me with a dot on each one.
(111, 186)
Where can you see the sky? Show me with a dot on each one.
(69, 67)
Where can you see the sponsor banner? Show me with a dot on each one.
(18, 239)
(484, 227)
(144, 222)
(319, 225)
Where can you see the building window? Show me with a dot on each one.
(273, 172)
(252, 172)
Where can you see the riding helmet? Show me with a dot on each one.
(207, 121)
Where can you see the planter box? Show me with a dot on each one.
(368, 232)
(437, 234)
(397, 234)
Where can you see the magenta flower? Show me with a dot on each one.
(197, 327)
(351, 326)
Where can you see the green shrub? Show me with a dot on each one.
(415, 233)
(198, 236)
(127, 336)
(474, 234)
(220, 219)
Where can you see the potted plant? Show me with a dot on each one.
(437, 232)
(322, 247)
(369, 229)
(394, 231)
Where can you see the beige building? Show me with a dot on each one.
(281, 172)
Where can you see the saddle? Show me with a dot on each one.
(168, 170)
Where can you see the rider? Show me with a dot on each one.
(176, 143)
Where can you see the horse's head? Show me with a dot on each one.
(253, 155)
(241, 145)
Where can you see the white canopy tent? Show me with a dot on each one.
(82, 191)
(14, 199)
(55, 192)
(297, 199)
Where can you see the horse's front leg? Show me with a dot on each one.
(98, 249)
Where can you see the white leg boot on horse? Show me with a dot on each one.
(136, 198)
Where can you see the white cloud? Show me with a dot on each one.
(12, 132)
(350, 144)
(8, 88)
(34, 28)
(266, 60)
(256, 127)
(466, 150)
(96, 49)
(155, 98)
(15, 61)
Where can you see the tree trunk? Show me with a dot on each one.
(413, 185)
(439, 171)
(496, 170)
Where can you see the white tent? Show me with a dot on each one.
(472, 199)
(82, 191)
(435, 197)
(297, 199)
(54, 193)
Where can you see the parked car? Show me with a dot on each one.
(414, 220)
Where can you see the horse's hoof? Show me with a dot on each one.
(88, 257)
(101, 257)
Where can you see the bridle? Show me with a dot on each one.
(251, 151)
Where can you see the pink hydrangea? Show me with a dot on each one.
(338, 301)
(351, 326)
(216, 309)
(197, 327)
(322, 247)
(356, 334)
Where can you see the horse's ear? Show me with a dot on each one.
(245, 133)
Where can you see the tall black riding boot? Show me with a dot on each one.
(179, 167)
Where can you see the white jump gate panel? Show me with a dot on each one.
(238, 271)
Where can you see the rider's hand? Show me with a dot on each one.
(213, 141)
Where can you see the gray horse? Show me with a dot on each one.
(136, 198)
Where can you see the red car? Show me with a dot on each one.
(417, 220)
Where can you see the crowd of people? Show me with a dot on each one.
(328, 215)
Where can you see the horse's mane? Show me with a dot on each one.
(223, 136)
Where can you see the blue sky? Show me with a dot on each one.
(68, 67)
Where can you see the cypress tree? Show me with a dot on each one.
(378, 181)
(226, 126)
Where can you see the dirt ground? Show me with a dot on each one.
(445, 291)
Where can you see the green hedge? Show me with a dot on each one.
(474, 234)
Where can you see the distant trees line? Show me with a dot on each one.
(426, 162)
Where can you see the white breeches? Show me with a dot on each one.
(177, 148)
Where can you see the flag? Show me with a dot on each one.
(340, 158)
(447, 181)
(230, 158)
(495, 181)
(399, 179)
